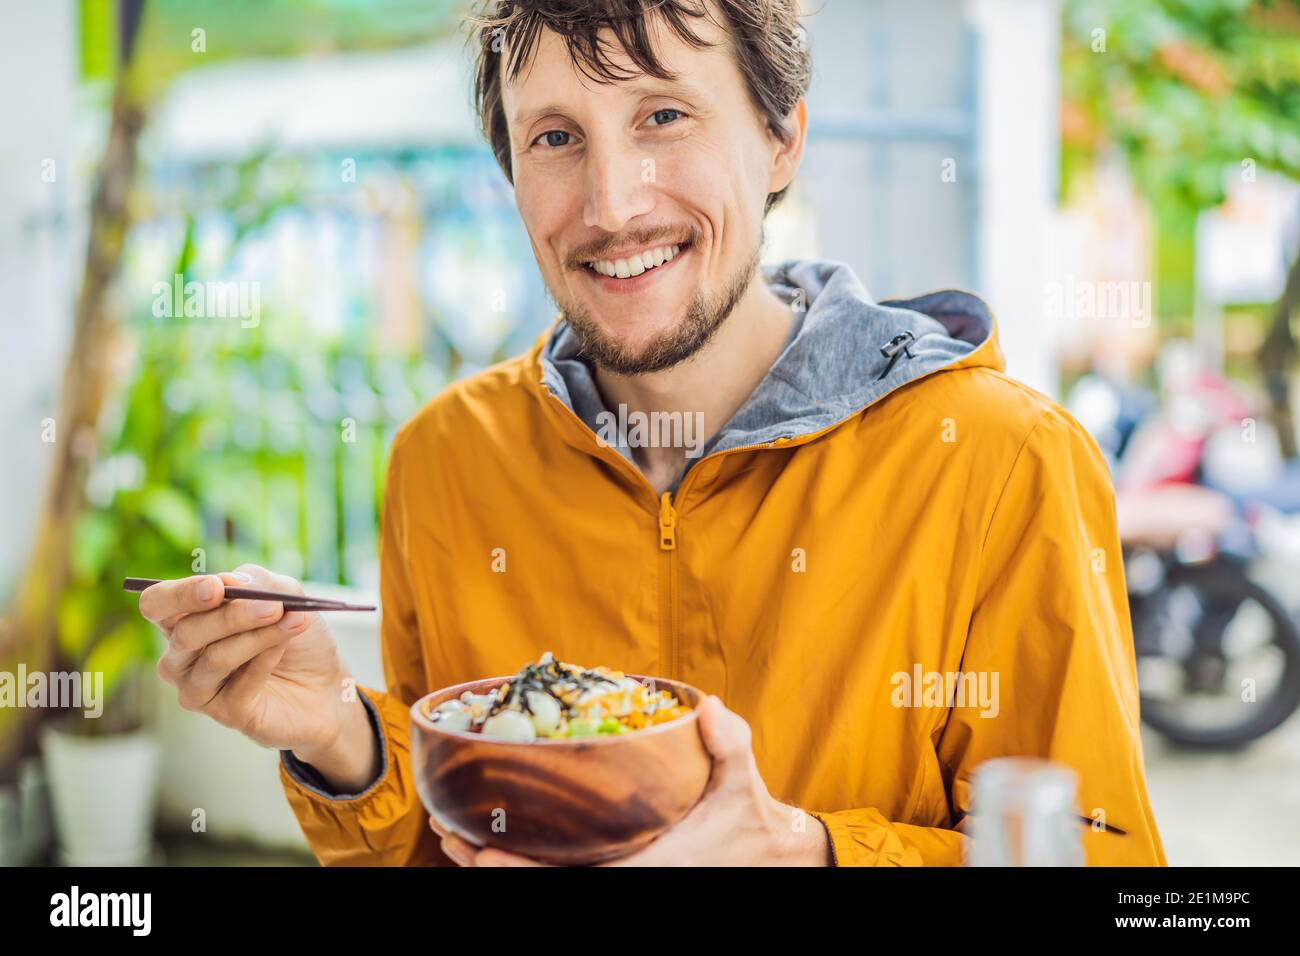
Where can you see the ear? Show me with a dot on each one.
(785, 162)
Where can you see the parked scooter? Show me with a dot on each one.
(1206, 516)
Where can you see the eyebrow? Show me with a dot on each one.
(643, 87)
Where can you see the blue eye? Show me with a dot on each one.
(664, 117)
(554, 138)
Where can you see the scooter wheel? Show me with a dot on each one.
(1221, 584)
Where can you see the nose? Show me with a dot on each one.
(617, 188)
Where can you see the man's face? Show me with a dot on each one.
(644, 198)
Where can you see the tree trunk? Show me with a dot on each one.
(28, 631)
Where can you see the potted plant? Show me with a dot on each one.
(104, 789)
(102, 759)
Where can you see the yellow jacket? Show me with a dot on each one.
(947, 519)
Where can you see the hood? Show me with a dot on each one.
(845, 352)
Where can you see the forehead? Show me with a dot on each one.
(551, 74)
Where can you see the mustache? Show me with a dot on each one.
(632, 238)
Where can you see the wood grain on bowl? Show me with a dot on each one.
(568, 800)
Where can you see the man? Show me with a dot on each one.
(872, 512)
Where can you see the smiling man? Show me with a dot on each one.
(871, 501)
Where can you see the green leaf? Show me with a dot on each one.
(122, 649)
(93, 542)
(78, 616)
(173, 514)
(186, 256)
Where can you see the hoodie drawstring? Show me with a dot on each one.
(894, 347)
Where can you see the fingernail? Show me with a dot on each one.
(206, 589)
(246, 578)
(293, 621)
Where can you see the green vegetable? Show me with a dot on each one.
(581, 727)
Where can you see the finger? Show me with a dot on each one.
(728, 739)
(465, 853)
(725, 733)
(194, 632)
(494, 857)
(172, 666)
(254, 575)
(461, 851)
(679, 843)
(175, 662)
(179, 656)
(229, 579)
(219, 660)
(234, 701)
(165, 602)
(639, 858)
(236, 579)
(269, 580)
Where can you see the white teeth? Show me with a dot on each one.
(637, 264)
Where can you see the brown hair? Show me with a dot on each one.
(770, 48)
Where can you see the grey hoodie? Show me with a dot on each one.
(845, 351)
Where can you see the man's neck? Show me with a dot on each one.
(714, 382)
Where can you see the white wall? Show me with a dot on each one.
(1019, 68)
(38, 260)
(881, 205)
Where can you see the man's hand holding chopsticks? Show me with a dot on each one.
(273, 675)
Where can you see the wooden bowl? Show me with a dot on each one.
(570, 801)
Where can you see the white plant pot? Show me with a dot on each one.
(235, 782)
(104, 791)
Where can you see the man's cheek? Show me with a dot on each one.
(536, 204)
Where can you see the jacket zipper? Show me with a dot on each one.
(667, 523)
(668, 603)
(668, 513)
(668, 615)
(668, 609)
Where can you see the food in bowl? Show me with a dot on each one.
(553, 699)
(570, 800)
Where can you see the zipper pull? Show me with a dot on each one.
(667, 523)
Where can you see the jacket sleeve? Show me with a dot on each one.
(1050, 623)
(385, 824)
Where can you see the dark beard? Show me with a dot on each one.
(704, 316)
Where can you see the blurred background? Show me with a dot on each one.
(1120, 179)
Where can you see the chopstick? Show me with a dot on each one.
(1108, 827)
(291, 602)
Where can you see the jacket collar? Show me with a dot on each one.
(847, 352)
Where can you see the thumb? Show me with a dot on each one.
(725, 733)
